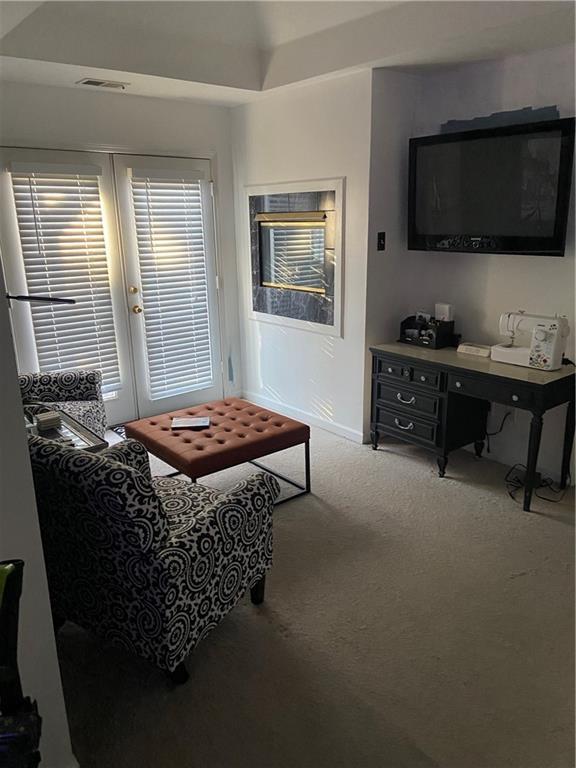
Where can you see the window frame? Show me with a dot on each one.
(338, 186)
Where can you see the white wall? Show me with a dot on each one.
(20, 538)
(394, 102)
(312, 132)
(67, 118)
(481, 286)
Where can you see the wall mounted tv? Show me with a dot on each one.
(497, 190)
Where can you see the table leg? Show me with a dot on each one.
(533, 448)
(375, 438)
(568, 441)
(442, 460)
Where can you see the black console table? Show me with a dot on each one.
(439, 399)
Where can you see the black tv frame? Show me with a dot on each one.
(488, 243)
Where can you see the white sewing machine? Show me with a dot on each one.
(546, 336)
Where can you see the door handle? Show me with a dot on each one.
(136, 309)
(400, 426)
(406, 402)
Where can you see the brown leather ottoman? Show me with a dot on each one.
(239, 432)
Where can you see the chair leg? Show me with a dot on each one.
(180, 675)
(257, 591)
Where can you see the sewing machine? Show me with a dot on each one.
(546, 336)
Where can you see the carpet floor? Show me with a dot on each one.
(409, 622)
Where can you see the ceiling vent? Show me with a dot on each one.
(95, 83)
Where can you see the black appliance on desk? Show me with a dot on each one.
(422, 331)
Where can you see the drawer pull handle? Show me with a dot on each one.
(389, 370)
(406, 402)
(400, 426)
(422, 378)
(458, 384)
(515, 398)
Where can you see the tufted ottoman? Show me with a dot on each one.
(239, 432)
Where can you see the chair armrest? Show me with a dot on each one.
(255, 494)
(256, 486)
(131, 453)
(61, 386)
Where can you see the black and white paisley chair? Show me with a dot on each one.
(152, 564)
(77, 393)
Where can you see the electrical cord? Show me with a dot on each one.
(500, 428)
(548, 485)
(515, 483)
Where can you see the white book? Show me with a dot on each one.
(190, 422)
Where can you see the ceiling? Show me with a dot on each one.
(232, 52)
(263, 25)
(260, 24)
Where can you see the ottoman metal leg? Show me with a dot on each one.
(302, 489)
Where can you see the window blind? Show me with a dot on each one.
(64, 251)
(172, 259)
(297, 256)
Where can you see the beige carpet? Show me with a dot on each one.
(410, 622)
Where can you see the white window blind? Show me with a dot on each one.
(173, 272)
(297, 257)
(64, 251)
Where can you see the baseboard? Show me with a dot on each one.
(308, 418)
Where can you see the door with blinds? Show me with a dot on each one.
(59, 237)
(146, 306)
(167, 229)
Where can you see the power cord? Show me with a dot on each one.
(515, 482)
(500, 428)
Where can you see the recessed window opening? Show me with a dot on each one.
(293, 251)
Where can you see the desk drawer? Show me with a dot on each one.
(411, 401)
(406, 426)
(419, 377)
(426, 377)
(497, 391)
(392, 368)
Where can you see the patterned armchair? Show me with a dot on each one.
(77, 393)
(152, 564)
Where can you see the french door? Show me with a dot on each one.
(131, 239)
(167, 230)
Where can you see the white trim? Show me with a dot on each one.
(310, 185)
(138, 166)
(113, 149)
(354, 435)
(51, 168)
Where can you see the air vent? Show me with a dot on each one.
(94, 83)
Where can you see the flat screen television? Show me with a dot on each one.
(497, 190)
